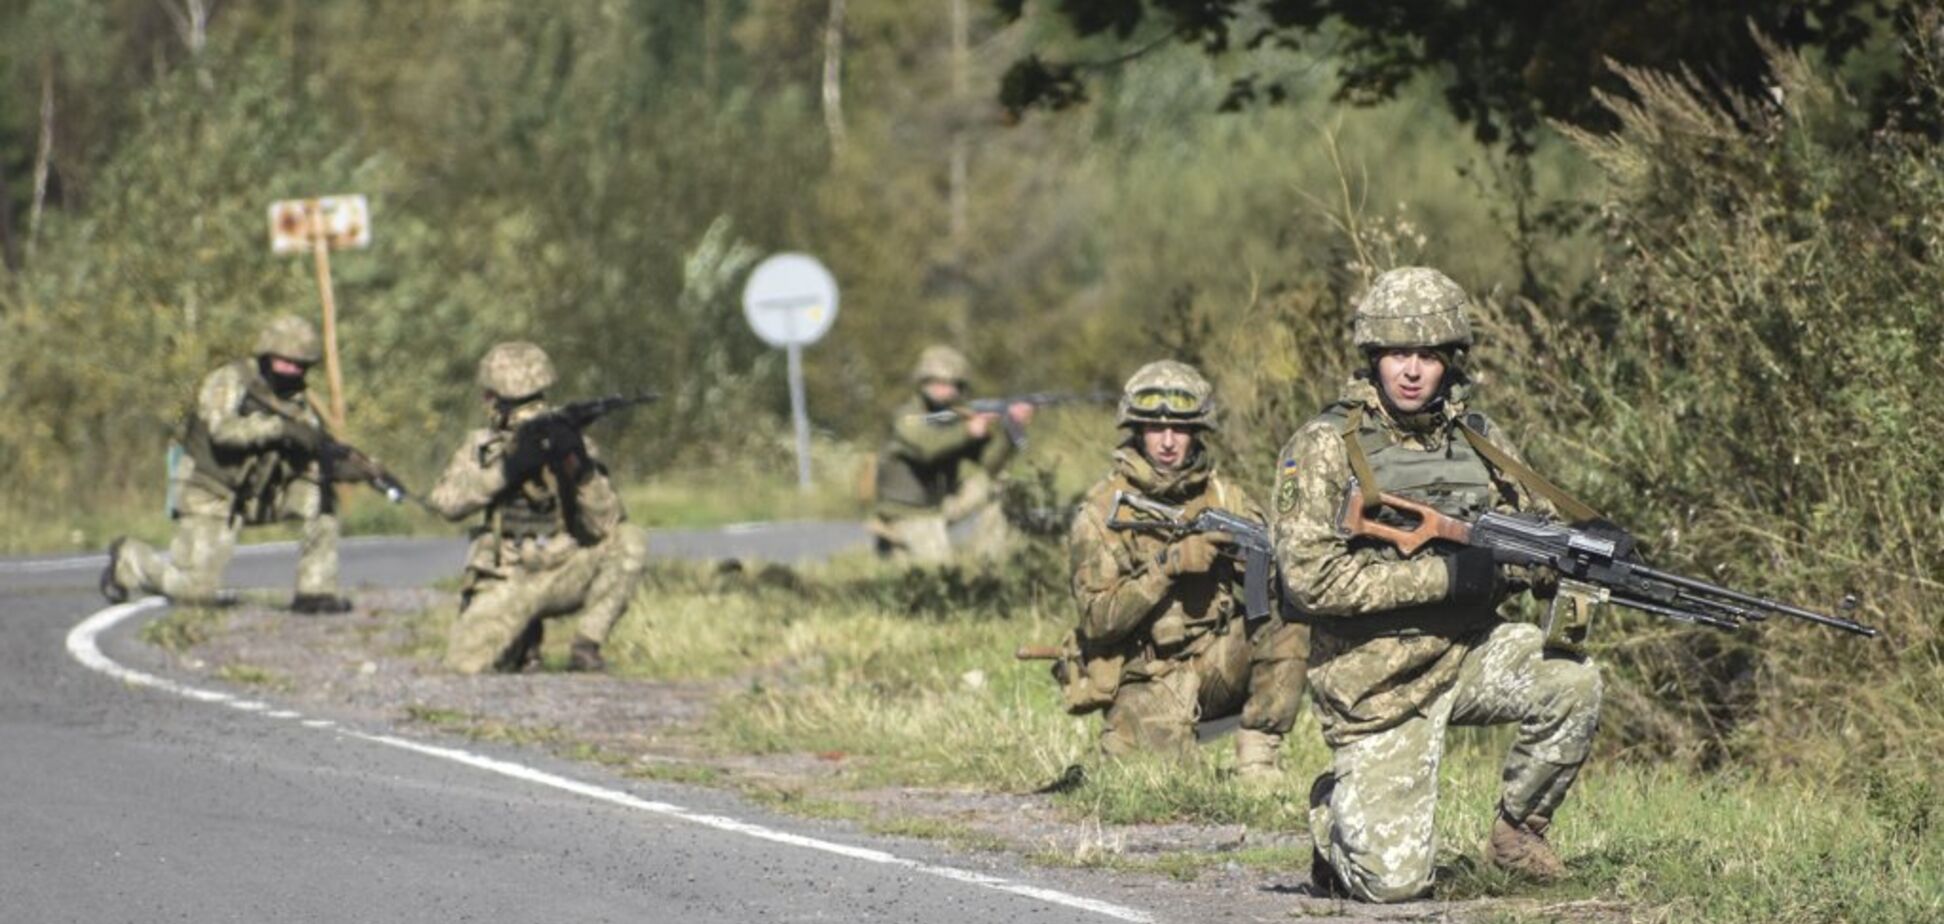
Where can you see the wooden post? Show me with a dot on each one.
(321, 246)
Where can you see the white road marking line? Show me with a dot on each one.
(251, 550)
(82, 644)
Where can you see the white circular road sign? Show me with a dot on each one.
(790, 299)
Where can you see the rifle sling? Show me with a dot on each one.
(1359, 463)
(1575, 510)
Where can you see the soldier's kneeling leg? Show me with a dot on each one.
(1155, 716)
(623, 557)
(1379, 834)
(492, 620)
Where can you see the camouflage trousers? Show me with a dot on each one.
(1260, 675)
(500, 618)
(1371, 813)
(926, 538)
(205, 539)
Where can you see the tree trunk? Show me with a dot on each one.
(957, 179)
(43, 153)
(711, 47)
(9, 253)
(833, 72)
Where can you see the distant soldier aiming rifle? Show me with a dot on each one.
(254, 451)
(554, 541)
(939, 466)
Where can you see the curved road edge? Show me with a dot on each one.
(83, 645)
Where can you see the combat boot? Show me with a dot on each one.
(585, 655)
(1255, 756)
(1521, 847)
(1325, 882)
(111, 585)
(319, 604)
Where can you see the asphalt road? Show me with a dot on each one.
(132, 799)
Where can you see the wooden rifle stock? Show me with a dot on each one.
(1038, 653)
(1430, 523)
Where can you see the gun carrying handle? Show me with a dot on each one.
(1431, 524)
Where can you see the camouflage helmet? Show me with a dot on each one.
(941, 363)
(292, 338)
(1167, 391)
(516, 369)
(1413, 306)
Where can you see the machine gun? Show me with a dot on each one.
(999, 406)
(1251, 540)
(1596, 564)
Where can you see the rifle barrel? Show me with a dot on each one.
(1646, 606)
(1703, 587)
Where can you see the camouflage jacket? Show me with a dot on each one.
(236, 440)
(531, 525)
(1384, 641)
(918, 468)
(1128, 604)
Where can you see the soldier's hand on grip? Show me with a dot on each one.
(1195, 553)
(525, 456)
(304, 437)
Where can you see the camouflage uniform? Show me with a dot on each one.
(923, 487)
(1168, 649)
(249, 459)
(552, 544)
(1395, 659)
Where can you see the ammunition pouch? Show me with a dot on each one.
(1088, 680)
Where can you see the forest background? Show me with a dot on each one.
(1708, 285)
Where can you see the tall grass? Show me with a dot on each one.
(830, 662)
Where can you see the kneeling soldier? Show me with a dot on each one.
(253, 453)
(1407, 645)
(555, 541)
(1163, 641)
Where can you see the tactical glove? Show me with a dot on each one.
(1195, 553)
(1473, 576)
(528, 453)
(304, 437)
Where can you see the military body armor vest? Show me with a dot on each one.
(252, 473)
(1453, 478)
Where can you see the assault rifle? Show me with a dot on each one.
(1596, 564)
(340, 460)
(557, 431)
(999, 406)
(1251, 539)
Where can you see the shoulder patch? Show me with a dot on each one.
(1286, 493)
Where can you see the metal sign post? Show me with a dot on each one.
(790, 301)
(320, 226)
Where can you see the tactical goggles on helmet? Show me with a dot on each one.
(1166, 402)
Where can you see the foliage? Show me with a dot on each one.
(1503, 66)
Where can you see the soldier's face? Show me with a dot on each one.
(289, 369)
(940, 391)
(1166, 446)
(1410, 377)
